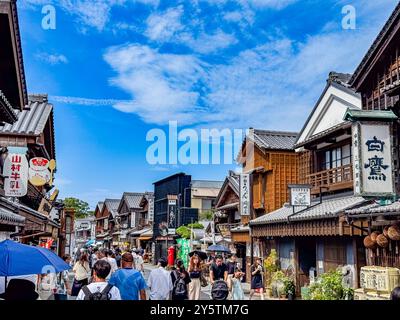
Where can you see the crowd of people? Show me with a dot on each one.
(104, 274)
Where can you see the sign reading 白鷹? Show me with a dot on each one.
(245, 194)
(172, 213)
(372, 160)
(300, 195)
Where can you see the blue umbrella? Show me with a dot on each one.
(218, 248)
(90, 242)
(18, 259)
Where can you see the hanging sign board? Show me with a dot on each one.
(373, 169)
(244, 185)
(300, 195)
(150, 200)
(15, 171)
(39, 174)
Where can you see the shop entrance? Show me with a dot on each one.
(307, 259)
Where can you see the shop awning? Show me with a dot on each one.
(229, 206)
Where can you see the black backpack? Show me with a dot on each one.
(103, 295)
(180, 289)
(219, 290)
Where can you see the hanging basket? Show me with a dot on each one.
(385, 231)
(382, 241)
(394, 232)
(374, 235)
(368, 243)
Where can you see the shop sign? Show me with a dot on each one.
(172, 214)
(39, 174)
(300, 195)
(150, 200)
(244, 183)
(15, 171)
(373, 170)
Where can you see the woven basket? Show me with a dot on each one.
(385, 231)
(394, 232)
(382, 241)
(368, 243)
(374, 235)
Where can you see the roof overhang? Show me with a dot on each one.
(370, 115)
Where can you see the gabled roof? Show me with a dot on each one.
(112, 206)
(274, 140)
(232, 182)
(367, 63)
(336, 91)
(329, 208)
(132, 200)
(99, 206)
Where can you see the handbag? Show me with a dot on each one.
(203, 280)
(76, 287)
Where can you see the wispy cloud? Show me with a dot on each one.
(52, 59)
(86, 101)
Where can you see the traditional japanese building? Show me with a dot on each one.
(377, 79)
(315, 238)
(203, 195)
(172, 201)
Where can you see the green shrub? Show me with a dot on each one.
(329, 286)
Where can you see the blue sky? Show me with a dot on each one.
(115, 69)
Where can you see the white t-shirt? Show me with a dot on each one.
(114, 266)
(99, 287)
(160, 284)
(138, 262)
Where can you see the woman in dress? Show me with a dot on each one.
(257, 279)
(195, 274)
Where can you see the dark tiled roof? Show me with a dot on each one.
(7, 111)
(327, 209)
(375, 208)
(9, 217)
(276, 140)
(112, 205)
(133, 199)
(31, 121)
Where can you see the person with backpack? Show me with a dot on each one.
(180, 279)
(129, 281)
(99, 289)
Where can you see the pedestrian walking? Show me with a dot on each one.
(107, 257)
(218, 270)
(256, 279)
(195, 274)
(138, 260)
(180, 280)
(99, 289)
(231, 266)
(237, 289)
(81, 278)
(118, 257)
(129, 281)
(63, 287)
(160, 282)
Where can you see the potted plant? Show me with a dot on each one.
(290, 289)
(278, 284)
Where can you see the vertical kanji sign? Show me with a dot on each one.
(15, 171)
(373, 168)
(244, 185)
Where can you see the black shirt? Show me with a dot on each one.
(218, 271)
(231, 267)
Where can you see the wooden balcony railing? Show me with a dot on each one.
(332, 179)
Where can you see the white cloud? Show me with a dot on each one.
(161, 85)
(163, 26)
(59, 182)
(208, 43)
(273, 4)
(52, 59)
